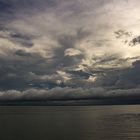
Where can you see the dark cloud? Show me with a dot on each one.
(135, 41)
(5, 6)
(47, 53)
(68, 95)
(53, 94)
(68, 42)
(108, 78)
(24, 40)
(22, 53)
(15, 68)
(130, 77)
(121, 78)
(132, 41)
(106, 58)
(80, 74)
(16, 4)
(122, 33)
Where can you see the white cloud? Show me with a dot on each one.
(72, 52)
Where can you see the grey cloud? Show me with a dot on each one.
(20, 62)
(22, 53)
(82, 33)
(80, 74)
(58, 26)
(52, 94)
(17, 4)
(5, 6)
(135, 41)
(67, 93)
(130, 77)
(132, 41)
(121, 33)
(107, 78)
(121, 78)
(107, 58)
(67, 42)
(13, 70)
(24, 40)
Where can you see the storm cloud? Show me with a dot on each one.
(69, 50)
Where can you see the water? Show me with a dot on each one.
(70, 123)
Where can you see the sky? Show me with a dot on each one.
(69, 49)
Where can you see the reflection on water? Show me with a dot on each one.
(70, 123)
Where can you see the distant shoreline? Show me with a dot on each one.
(94, 102)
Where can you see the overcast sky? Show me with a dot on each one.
(69, 49)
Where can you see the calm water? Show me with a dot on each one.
(70, 123)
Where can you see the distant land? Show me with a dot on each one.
(83, 102)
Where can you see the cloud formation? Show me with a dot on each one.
(64, 49)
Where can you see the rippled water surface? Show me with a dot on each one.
(70, 123)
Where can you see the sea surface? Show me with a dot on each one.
(70, 122)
